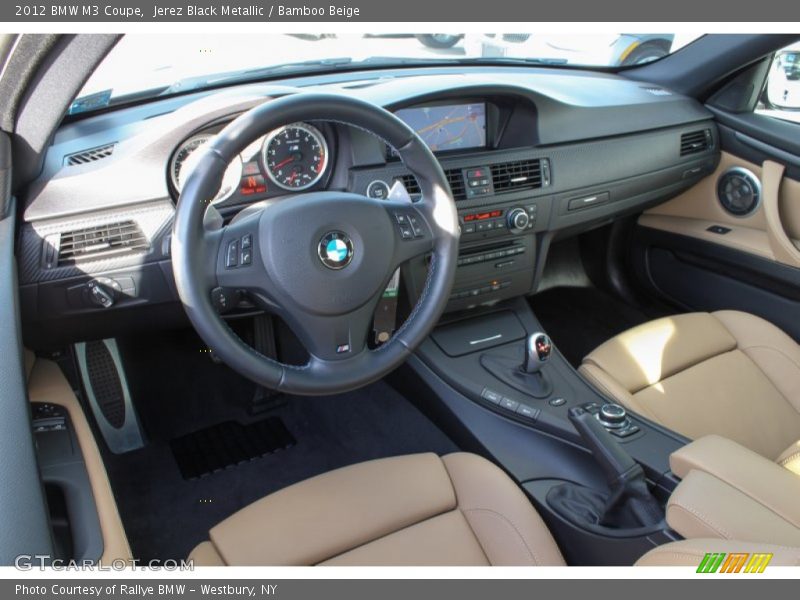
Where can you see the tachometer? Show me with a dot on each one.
(186, 157)
(295, 156)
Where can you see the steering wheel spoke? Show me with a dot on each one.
(332, 337)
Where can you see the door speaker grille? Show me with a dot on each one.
(739, 191)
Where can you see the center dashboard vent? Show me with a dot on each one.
(506, 177)
(695, 142)
(517, 175)
(455, 178)
(101, 241)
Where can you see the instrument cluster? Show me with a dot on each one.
(292, 158)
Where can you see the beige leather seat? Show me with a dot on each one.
(418, 510)
(727, 373)
(409, 510)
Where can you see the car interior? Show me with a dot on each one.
(278, 322)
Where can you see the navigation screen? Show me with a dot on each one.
(452, 127)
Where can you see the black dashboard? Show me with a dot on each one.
(530, 155)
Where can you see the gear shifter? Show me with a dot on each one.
(538, 348)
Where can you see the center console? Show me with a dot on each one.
(503, 389)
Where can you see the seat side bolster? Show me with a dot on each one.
(502, 518)
(774, 352)
(206, 555)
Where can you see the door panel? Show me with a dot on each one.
(697, 255)
(696, 210)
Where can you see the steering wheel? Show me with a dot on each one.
(319, 260)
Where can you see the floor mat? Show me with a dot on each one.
(178, 390)
(227, 445)
(579, 319)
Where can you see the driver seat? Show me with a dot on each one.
(420, 509)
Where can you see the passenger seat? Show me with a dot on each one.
(728, 373)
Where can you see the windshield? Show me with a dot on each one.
(145, 66)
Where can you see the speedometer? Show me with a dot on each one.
(295, 156)
(188, 155)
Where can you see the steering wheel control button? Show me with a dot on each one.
(247, 241)
(222, 299)
(232, 256)
(335, 250)
(415, 226)
(378, 189)
(491, 396)
(246, 257)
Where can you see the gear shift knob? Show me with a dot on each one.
(538, 348)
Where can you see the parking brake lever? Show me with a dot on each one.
(625, 477)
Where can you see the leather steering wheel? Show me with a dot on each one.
(320, 260)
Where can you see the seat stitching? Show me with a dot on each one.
(491, 512)
(705, 520)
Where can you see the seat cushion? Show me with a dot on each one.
(728, 373)
(690, 553)
(409, 510)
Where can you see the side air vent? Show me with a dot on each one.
(454, 177)
(695, 142)
(517, 175)
(89, 156)
(101, 241)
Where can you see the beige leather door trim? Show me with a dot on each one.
(783, 248)
(698, 208)
(46, 383)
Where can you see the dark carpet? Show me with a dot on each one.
(178, 390)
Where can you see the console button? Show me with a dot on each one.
(469, 228)
(557, 402)
(523, 410)
(624, 432)
(491, 396)
(509, 404)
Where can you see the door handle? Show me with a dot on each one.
(782, 247)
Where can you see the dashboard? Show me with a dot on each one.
(531, 155)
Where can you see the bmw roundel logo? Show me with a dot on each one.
(335, 250)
